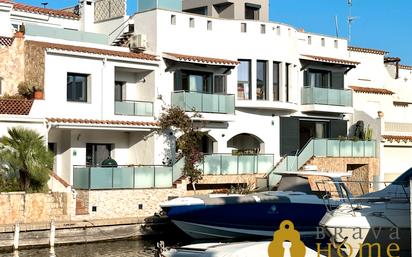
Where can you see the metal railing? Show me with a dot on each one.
(133, 108)
(327, 96)
(204, 102)
(227, 164)
(324, 148)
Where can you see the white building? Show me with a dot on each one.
(261, 87)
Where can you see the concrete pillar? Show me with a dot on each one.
(16, 236)
(87, 15)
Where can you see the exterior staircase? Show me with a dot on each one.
(123, 39)
(321, 148)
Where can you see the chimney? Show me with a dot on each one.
(86, 8)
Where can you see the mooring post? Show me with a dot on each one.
(16, 236)
(52, 233)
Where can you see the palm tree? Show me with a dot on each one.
(24, 152)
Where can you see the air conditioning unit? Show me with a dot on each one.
(138, 42)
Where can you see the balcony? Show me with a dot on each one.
(133, 108)
(204, 102)
(227, 164)
(326, 100)
(122, 177)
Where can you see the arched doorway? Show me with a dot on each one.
(207, 144)
(246, 143)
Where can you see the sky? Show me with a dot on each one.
(380, 24)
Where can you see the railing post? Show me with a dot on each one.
(90, 177)
(237, 164)
(154, 176)
(112, 177)
(221, 165)
(134, 177)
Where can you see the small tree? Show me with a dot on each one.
(176, 119)
(24, 152)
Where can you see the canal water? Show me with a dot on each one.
(124, 248)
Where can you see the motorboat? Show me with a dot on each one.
(241, 249)
(253, 215)
(381, 218)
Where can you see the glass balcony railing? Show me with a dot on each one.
(125, 177)
(327, 96)
(204, 102)
(227, 164)
(133, 108)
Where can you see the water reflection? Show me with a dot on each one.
(126, 248)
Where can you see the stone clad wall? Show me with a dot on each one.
(124, 203)
(12, 66)
(34, 60)
(33, 208)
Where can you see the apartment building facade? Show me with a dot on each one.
(262, 88)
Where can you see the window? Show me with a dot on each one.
(276, 78)
(261, 80)
(244, 85)
(309, 40)
(252, 11)
(193, 81)
(209, 25)
(173, 19)
(323, 42)
(336, 43)
(318, 78)
(77, 87)
(191, 22)
(262, 28)
(219, 84)
(243, 27)
(97, 153)
(119, 87)
(287, 81)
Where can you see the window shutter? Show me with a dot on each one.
(338, 80)
(338, 128)
(289, 135)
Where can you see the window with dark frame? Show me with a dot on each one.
(287, 81)
(318, 78)
(77, 87)
(276, 78)
(118, 91)
(244, 85)
(252, 11)
(261, 80)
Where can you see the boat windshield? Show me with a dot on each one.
(404, 178)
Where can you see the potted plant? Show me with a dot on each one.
(25, 89)
(38, 92)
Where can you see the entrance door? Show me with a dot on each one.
(312, 129)
(97, 153)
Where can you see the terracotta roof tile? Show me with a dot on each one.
(15, 106)
(40, 10)
(330, 60)
(6, 41)
(366, 50)
(397, 138)
(103, 122)
(92, 50)
(201, 59)
(372, 90)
